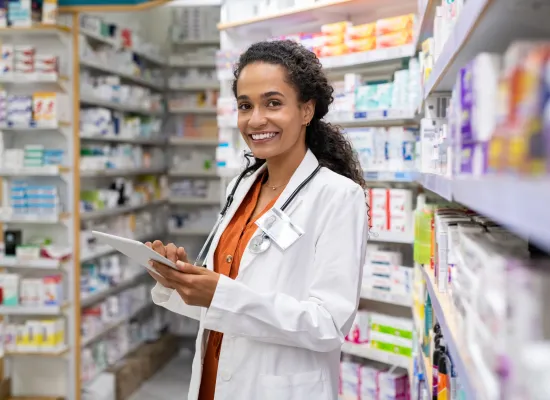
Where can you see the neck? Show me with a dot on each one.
(281, 168)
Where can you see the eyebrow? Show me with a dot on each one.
(264, 95)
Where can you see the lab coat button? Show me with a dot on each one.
(229, 259)
(226, 376)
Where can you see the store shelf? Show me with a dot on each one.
(91, 299)
(193, 174)
(33, 219)
(445, 314)
(113, 172)
(366, 352)
(31, 78)
(193, 64)
(35, 30)
(198, 42)
(356, 60)
(89, 100)
(31, 310)
(479, 28)
(196, 86)
(387, 176)
(193, 201)
(503, 200)
(35, 128)
(192, 141)
(47, 170)
(391, 237)
(189, 231)
(51, 353)
(130, 350)
(112, 325)
(194, 110)
(126, 76)
(138, 140)
(518, 203)
(373, 118)
(98, 37)
(43, 263)
(110, 212)
(425, 24)
(438, 184)
(385, 297)
(313, 13)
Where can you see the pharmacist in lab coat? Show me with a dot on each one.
(274, 309)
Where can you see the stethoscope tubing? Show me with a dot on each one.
(201, 257)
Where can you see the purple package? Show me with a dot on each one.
(466, 102)
(466, 158)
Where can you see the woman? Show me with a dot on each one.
(272, 323)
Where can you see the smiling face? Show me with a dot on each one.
(271, 118)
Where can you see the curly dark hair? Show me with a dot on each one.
(305, 73)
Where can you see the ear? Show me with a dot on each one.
(308, 109)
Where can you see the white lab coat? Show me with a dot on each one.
(285, 317)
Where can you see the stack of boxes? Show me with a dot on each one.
(34, 200)
(391, 211)
(23, 61)
(383, 332)
(343, 37)
(23, 13)
(373, 382)
(42, 109)
(32, 156)
(384, 272)
(31, 292)
(46, 336)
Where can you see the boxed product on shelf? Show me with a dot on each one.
(391, 210)
(24, 291)
(199, 219)
(47, 335)
(372, 381)
(27, 198)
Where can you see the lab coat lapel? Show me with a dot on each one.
(306, 167)
(240, 194)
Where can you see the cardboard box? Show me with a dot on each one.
(128, 377)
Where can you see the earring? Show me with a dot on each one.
(308, 123)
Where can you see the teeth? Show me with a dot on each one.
(263, 136)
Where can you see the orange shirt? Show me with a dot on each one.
(227, 259)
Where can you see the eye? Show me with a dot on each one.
(273, 103)
(243, 106)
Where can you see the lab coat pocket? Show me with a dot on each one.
(300, 386)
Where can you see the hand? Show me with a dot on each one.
(171, 252)
(195, 285)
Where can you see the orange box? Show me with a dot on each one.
(337, 28)
(394, 39)
(361, 31)
(360, 45)
(395, 24)
(330, 51)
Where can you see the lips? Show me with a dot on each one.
(263, 136)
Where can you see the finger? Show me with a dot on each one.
(167, 272)
(149, 244)
(182, 255)
(158, 246)
(187, 268)
(171, 252)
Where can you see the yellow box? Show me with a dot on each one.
(395, 24)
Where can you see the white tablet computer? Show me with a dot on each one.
(135, 250)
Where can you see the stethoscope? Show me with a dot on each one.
(260, 243)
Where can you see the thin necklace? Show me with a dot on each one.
(275, 187)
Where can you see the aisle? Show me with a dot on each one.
(172, 382)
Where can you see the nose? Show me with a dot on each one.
(257, 119)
